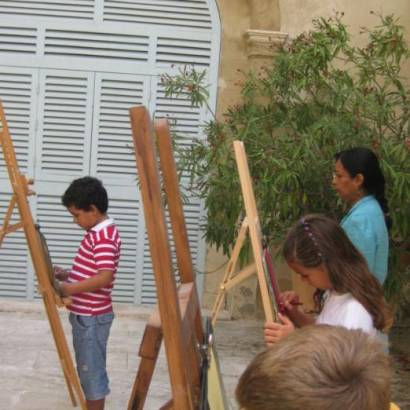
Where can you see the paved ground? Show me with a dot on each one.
(31, 377)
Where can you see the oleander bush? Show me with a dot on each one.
(320, 94)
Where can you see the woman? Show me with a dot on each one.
(359, 182)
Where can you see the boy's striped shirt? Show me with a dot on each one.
(99, 250)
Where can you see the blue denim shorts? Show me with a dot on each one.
(90, 336)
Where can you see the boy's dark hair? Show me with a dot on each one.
(318, 367)
(84, 192)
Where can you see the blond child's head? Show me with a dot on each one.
(318, 367)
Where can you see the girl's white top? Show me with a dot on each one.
(344, 310)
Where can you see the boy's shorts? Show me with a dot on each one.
(90, 336)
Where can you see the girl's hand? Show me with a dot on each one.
(273, 332)
(289, 302)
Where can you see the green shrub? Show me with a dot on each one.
(319, 95)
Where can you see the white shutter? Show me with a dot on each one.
(95, 44)
(173, 50)
(180, 13)
(70, 71)
(17, 93)
(78, 9)
(65, 115)
(18, 39)
(113, 157)
(13, 254)
(124, 207)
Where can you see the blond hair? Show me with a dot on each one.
(316, 368)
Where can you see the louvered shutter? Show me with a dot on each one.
(14, 262)
(113, 158)
(89, 44)
(179, 13)
(172, 50)
(18, 94)
(22, 40)
(125, 209)
(71, 69)
(64, 131)
(78, 9)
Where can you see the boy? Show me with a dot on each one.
(318, 368)
(89, 283)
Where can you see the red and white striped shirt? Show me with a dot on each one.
(99, 250)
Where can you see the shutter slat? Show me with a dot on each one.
(16, 92)
(66, 119)
(112, 125)
(80, 9)
(96, 44)
(173, 13)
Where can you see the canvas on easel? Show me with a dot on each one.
(177, 319)
(250, 226)
(40, 258)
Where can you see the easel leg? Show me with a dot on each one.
(20, 193)
(63, 351)
(149, 350)
(229, 270)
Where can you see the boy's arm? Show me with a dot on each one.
(101, 280)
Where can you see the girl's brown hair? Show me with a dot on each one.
(317, 240)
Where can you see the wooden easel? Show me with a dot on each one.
(251, 225)
(177, 318)
(20, 185)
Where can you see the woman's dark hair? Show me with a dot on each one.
(316, 240)
(361, 160)
(84, 192)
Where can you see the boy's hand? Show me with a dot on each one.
(273, 332)
(57, 285)
(60, 273)
(62, 289)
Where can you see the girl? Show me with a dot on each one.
(347, 294)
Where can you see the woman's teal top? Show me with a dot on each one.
(365, 226)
